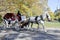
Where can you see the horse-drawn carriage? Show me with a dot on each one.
(19, 21)
(14, 20)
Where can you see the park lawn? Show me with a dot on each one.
(1, 24)
(49, 25)
(52, 24)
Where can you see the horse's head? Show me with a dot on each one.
(46, 15)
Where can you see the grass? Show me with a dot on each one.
(48, 24)
(52, 24)
(0, 23)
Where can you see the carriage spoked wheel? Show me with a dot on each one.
(4, 26)
(20, 27)
(17, 27)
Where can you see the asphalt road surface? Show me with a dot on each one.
(28, 34)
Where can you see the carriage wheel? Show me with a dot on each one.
(17, 28)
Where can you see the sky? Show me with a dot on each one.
(53, 4)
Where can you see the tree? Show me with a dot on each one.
(57, 15)
(52, 14)
(26, 7)
(0, 18)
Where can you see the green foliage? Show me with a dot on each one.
(26, 7)
(57, 15)
(52, 16)
(0, 18)
(55, 24)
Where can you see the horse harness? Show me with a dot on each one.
(41, 17)
(36, 19)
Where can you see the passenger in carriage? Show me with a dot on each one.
(19, 16)
(19, 13)
(22, 19)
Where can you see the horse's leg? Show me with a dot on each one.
(42, 22)
(4, 24)
(31, 25)
(28, 25)
(17, 27)
(7, 25)
(38, 26)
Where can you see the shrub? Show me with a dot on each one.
(1, 19)
(59, 19)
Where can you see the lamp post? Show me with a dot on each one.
(58, 4)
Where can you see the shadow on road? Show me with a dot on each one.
(27, 34)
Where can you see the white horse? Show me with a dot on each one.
(39, 20)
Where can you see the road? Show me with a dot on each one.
(27, 34)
